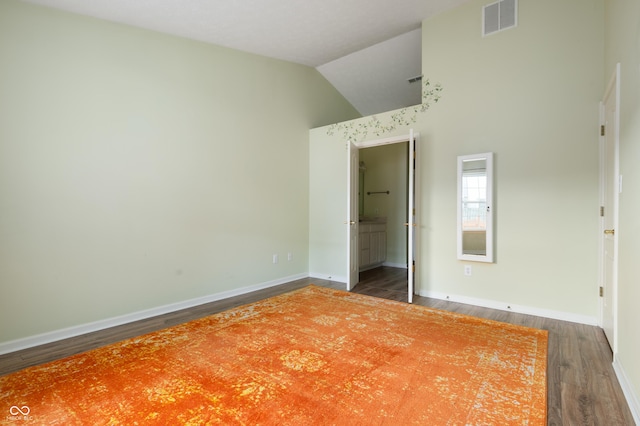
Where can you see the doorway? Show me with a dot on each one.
(384, 193)
(383, 197)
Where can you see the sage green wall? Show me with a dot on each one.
(387, 171)
(623, 46)
(530, 95)
(139, 169)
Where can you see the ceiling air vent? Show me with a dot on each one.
(499, 16)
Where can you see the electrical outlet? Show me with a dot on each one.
(275, 259)
(467, 270)
(289, 256)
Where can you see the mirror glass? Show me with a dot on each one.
(475, 207)
(363, 168)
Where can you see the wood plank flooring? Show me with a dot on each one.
(582, 386)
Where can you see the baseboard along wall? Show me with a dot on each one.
(44, 338)
(56, 335)
(627, 389)
(487, 303)
(520, 309)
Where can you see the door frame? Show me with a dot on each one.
(416, 202)
(353, 270)
(613, 89)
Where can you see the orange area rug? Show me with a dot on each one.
(312, 356)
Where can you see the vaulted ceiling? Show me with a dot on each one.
(366, 48)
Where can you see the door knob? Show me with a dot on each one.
(351, 222)
(609, 231)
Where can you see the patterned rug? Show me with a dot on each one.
(312, 356)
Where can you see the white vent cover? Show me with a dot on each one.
(499, 16)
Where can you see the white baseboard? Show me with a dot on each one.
(395, 265)
(627, 389)
(370, 267)
(53, 336)
(336, 278)
(493, 304)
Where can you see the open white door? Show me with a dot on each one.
(411, 221)
(353, 267)
(610, 189)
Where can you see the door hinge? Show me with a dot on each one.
(602, 130)
(601, 291)
(601, 211)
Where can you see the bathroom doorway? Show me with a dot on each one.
(386, 207)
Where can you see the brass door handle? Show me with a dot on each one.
(407, 224)
(609, 231)
(351, 222)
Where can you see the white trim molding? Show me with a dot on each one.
(627, 390)
(335, 278)
(66, 333)
(395, 265)
(56, 335)
(520, 309)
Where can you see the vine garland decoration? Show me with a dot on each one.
(356, 130)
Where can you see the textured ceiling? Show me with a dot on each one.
(375, 79)
(312, 33)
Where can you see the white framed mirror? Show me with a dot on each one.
(475, 207)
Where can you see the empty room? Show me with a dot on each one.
(274, 213)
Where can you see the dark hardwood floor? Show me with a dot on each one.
(582, 386)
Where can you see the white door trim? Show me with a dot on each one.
(353, 270)
(412, 159)
(416, 200)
